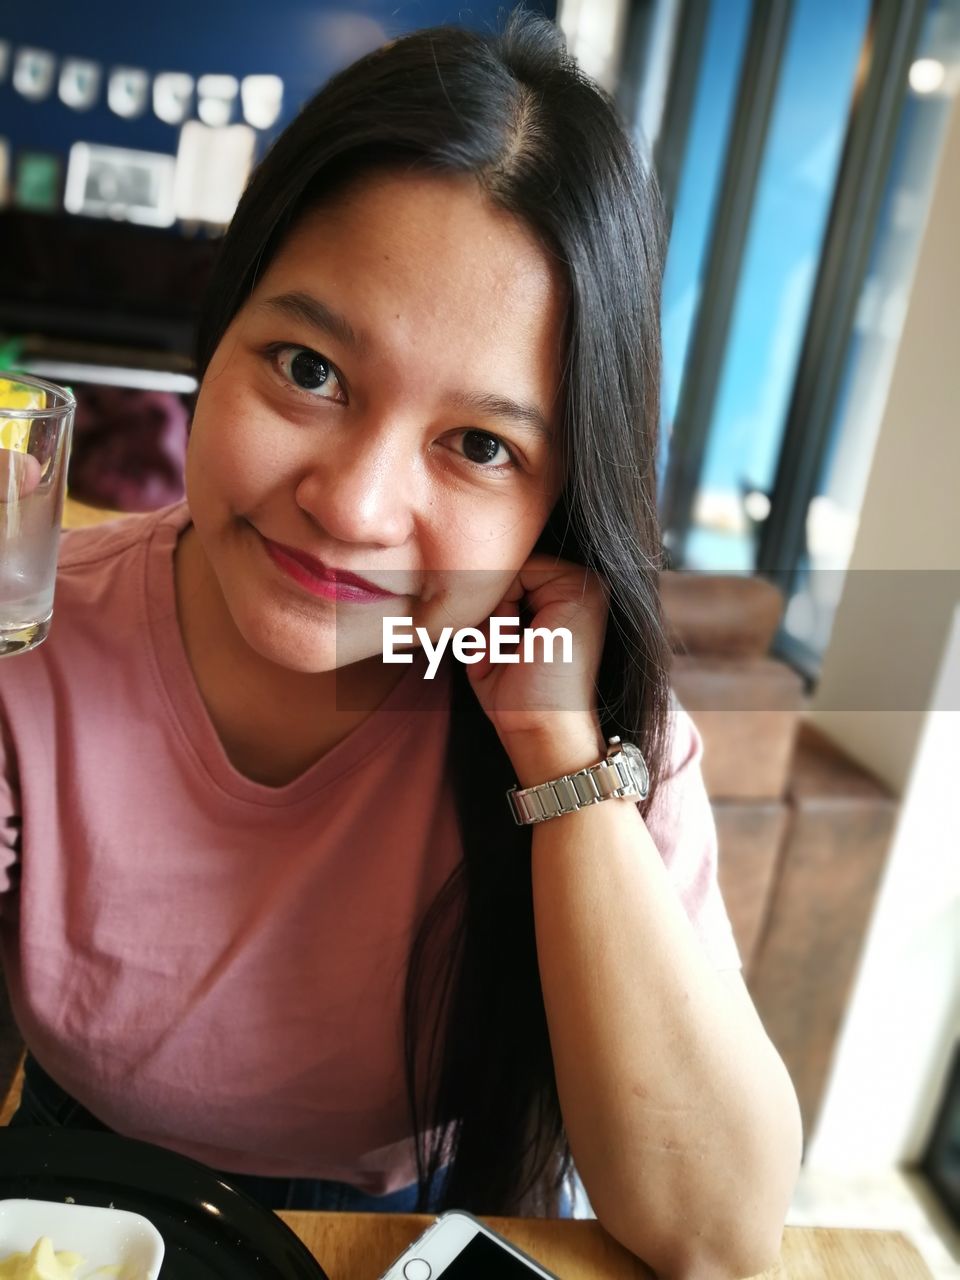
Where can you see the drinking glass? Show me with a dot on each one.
(36, 425)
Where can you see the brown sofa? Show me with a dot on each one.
(802, 829)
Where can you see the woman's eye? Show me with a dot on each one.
(483, 449)
(307, 370)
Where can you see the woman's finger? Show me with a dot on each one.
(19, 474)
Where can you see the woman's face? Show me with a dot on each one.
(386, 402)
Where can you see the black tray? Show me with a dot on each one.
(209, 1228)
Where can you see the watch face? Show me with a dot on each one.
(638, 767)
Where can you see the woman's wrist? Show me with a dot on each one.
(563, 745)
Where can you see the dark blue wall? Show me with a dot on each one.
(303, 41)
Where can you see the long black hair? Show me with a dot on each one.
(545, 144)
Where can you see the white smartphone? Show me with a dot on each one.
(459, 1247)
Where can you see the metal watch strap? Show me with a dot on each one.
(609, 779)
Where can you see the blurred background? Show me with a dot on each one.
(808, 152)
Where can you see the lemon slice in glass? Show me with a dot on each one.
(15, 432)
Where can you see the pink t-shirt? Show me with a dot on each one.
(207, 962)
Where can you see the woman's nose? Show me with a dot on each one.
(362, 490)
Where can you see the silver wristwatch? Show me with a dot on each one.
(623, 772)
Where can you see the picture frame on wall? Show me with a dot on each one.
(118, 183)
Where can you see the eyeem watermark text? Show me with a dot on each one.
(470, 645)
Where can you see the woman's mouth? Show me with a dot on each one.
(321, 580)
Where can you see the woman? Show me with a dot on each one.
(430, 362)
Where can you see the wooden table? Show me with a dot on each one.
(360, 1246)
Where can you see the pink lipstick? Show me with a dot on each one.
(319, 580)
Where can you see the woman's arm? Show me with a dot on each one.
(681, 1117)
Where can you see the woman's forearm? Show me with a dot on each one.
(681, 1117)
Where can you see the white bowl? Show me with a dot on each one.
(103, 1237)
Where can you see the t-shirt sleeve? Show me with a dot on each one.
(9, 811)
(682, 826)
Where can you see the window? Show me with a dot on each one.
(798, 159)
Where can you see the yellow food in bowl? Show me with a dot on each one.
(15, 432)
(41, 1263)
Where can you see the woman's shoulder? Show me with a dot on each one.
(109, 539)
(99, 601)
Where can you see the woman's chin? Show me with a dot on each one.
(309, 649)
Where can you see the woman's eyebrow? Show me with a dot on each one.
(524, 416)
(311, 311)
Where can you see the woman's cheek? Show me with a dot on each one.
(247, 452)
(488, 532)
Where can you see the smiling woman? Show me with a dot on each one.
(282, 917)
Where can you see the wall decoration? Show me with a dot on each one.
(79, 83)
(262, 100)
(36, 183)
(172, 96)
(215, 99)
(33, 71)
(212, 169)
(114, 182)
(4, 173)
(128, 91)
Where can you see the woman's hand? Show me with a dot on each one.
(536, 698)
(19, 474)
